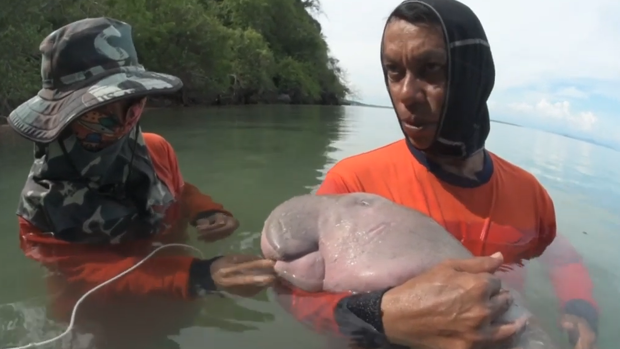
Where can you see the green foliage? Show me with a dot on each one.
(226, 51)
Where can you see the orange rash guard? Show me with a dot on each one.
(81, 267)
(506, 209)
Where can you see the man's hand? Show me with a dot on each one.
(579, 332)
(453, 305)
(242, 275)
(216, 227)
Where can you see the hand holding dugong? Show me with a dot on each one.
(363, 242)
(465, 301)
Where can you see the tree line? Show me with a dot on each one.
(225, 51)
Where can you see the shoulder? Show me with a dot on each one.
(358, 172)
(159, 149)
(515, 178)
(161, 152)
(164, 160)
(372, 161)
(156, 143)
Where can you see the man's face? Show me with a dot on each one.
(416, 63)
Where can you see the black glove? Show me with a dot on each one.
(200, 279)
(359, 317)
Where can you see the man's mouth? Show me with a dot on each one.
(417, 124)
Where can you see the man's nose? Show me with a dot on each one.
(412, 90)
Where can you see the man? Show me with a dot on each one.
(439, 72)
(101, 195)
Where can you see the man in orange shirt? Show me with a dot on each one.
(101, 195)
(439, 72)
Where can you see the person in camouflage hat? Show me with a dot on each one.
(100, 191)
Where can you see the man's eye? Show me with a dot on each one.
(432, 67)
(392, 72)
(389, 68)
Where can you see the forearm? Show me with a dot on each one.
(158, 276)
(197, 205)
(82, 267)
(316, 310)
(360, 318)
(356, 317)
(571, 280)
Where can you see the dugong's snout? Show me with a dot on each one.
(281, 244)
(287, 249)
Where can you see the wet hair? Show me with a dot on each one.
(415, 13)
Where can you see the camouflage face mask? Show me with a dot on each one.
(102, 127)
(95, 196)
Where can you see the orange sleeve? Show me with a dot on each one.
(355, 317)
(194, 203)
(86, 266)
(317, 310)
(570, 277)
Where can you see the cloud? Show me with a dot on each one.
(555, 59)
(572, 92)
(558, 112)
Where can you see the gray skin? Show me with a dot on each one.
(363, 242)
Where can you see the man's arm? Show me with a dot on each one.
(569, 276)
(87, 266)
(194, 204)
(571, 281)
(316, 310)
(353, 316)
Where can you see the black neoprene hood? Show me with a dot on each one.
(464, 123)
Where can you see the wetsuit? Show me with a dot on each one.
(84, 266)
(505, 209)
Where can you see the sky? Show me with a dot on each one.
(557, 62)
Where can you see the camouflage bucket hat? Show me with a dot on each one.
(85, 64)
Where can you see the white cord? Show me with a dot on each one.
(77, 304)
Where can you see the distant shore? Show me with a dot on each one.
(165, 103)
(4, 122)
(360, 104)
(158, 104)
